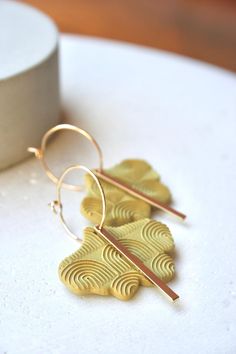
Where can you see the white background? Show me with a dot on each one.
(178, 114)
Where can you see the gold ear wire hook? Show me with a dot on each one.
(39, 153)
(54, 204)
(99, 229)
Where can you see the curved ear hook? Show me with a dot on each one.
(40, 153)
(57, 206)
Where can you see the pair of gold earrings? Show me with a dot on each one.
(125, 248)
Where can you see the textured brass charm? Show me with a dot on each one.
(97, 268)
(123, 208)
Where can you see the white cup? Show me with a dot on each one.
(29, 79)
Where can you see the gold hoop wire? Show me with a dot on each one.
(58, 203)
(39, 153)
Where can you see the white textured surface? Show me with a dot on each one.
(180, 116)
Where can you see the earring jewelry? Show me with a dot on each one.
(134, 178)
(116, 260)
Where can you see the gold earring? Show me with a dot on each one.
(116, 260)
(117, 178)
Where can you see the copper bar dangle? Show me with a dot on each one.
(135, 193)
(136, 262)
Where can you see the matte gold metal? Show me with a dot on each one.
(106, 234)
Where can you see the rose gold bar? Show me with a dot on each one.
(137, 263)
(117, 183)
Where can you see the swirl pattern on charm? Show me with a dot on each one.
(158, 235)
(97, 268)
(125, 286)
(130, 210)
(139, 249)
(150, 188)
(113, 258)
(133, 170)
(84, 276)
(163, 266)
(122, 207)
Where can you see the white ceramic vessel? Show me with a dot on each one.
(29, 85)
